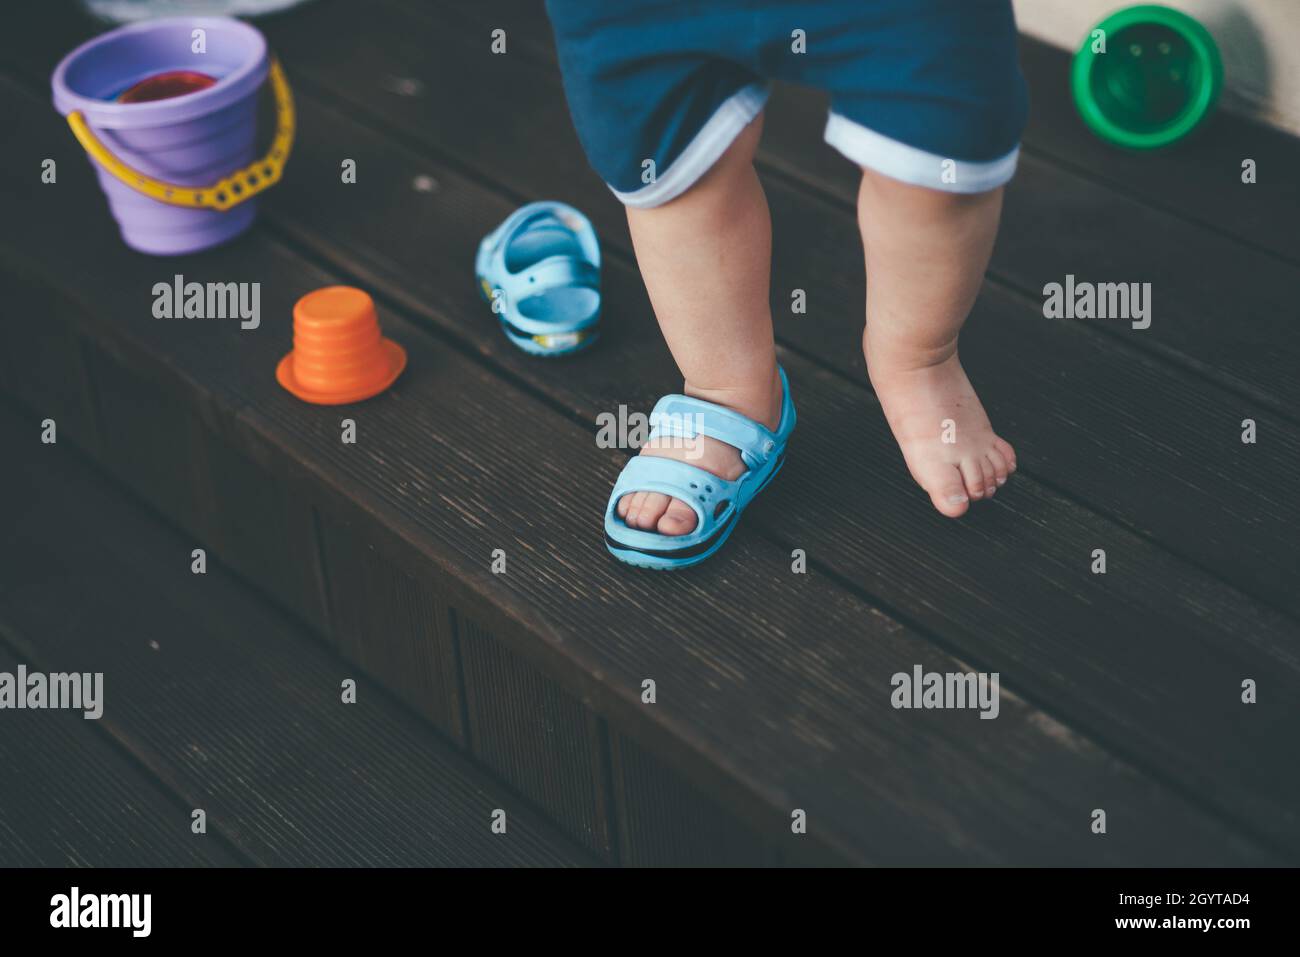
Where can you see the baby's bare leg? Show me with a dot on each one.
(926, 252)
(706, 258)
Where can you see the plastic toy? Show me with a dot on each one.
(339, 354)
(173, 152)
(1156, 81)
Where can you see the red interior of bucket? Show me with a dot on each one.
(165, 86)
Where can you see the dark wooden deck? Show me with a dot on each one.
(1120, 691)
(213, 699)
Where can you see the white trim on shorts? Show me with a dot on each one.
(713, 139)
(911, 165)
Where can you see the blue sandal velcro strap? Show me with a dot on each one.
(557, 271)
(681, 416)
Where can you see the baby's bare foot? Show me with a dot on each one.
(654, 511)
(947, 441)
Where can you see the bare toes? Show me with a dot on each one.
(678, 518)
(999, 465)
(634, 500)
(990, 477)
(638, 509)
(972, 474)
(652, 509)
(947, 493)
(1007, 452)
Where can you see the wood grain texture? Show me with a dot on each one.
(226, 701)
(537, 737)
(44, 362)
(263, 532)
(395, 626)
(70, 798)
(151, 443)
(1260, 215)
(768, 710)
(664, 822)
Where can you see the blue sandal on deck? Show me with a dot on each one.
(542, 265)
(716, 501)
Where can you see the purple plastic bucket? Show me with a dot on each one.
(193, 140)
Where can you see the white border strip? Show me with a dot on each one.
(911, 165)
(732, 116)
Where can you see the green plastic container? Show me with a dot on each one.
(1157, 81)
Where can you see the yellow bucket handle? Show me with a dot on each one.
(234, 189)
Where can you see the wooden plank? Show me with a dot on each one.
(768, 710)
(263, 532)
(536, 736)
(664, 822)
(71, 799)
(1178, 439)
(228, 702)
(394, 625)
(45, 364)
(151, 443)
(1261, 215)
(145, 429)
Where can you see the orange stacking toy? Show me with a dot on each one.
(338, 353)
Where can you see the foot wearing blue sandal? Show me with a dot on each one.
(676, 503)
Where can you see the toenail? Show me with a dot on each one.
(956, 499)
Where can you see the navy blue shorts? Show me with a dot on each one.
(928, 92)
